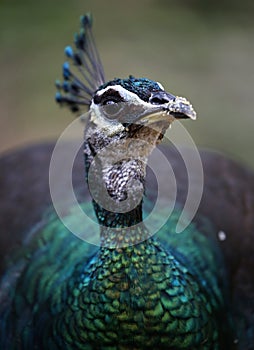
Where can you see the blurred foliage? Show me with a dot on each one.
(203, 50)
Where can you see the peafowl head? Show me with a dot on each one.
(121, 107)
(126, 119)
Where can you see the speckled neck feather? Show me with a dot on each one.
(123, 181)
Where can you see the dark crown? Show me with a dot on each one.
(142, 87)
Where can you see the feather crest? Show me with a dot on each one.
(77, 89)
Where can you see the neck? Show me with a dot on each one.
(115, 174)
(118, 206)
(122, 237)
(116, 220)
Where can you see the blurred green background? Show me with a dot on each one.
(203, 50)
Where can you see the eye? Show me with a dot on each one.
(111, 108)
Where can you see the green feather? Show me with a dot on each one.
(169, 286)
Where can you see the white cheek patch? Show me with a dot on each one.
(109, 127)
(160, 86)
(127, 95)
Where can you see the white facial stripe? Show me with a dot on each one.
(126, 95)
(114, 87)
(160, 86)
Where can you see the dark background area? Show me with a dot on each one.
(203, 50)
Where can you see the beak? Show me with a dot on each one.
(177, 107)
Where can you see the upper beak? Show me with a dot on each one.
(178, 107)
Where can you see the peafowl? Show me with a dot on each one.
(136, 289)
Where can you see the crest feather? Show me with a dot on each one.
(77, 89)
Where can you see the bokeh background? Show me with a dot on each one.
(203, 50)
